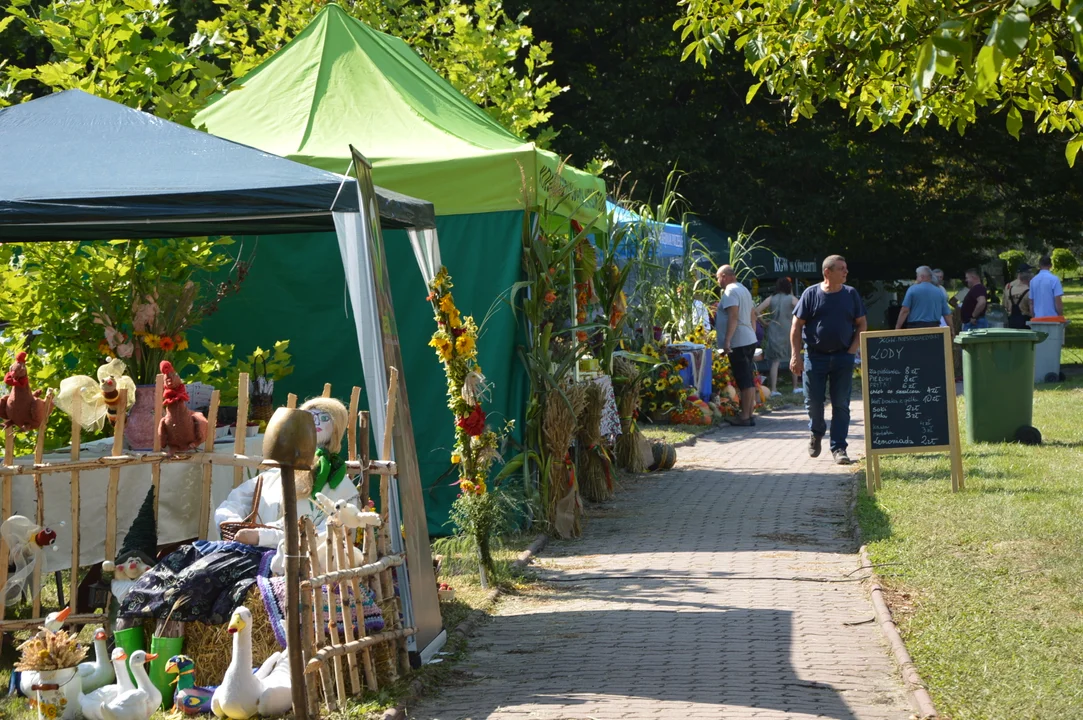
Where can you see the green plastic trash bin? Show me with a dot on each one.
(998, 384)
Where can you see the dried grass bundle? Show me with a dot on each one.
(627, 447)
(209, 645)
(49, 650)
(595, 465)
(558, 427)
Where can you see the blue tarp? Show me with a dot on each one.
(670, 235)
(80, 167)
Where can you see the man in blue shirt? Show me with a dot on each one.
(1046, 292)
(925, 304)
(830, 317)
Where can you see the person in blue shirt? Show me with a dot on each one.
(830, 317)
(1046, 291)
(924, 304)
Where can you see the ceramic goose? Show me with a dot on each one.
(90, 703)
(29, 678)
(189, 698)
(239, 694)
(138, 704)
(98, 672)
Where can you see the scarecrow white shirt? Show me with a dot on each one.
(238, 505)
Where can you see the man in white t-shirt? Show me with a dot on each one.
(736, 338)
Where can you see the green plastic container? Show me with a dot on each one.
(165, 648)
(998, 384)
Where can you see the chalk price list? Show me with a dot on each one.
(905, 401)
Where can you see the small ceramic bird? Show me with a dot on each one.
(189, 698)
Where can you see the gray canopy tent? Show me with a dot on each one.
(79, 167)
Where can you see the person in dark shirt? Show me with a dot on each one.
(975, 303)
(829, 317)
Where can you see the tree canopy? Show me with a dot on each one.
(169, 59)
(906, 63)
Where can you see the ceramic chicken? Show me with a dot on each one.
(189, 698)
(25, 540)
(21, 408)
(181, 429)
(98, 400)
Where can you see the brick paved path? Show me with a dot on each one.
(693, 595)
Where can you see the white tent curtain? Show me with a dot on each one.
(427, 251)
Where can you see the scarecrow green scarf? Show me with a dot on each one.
(329, 470)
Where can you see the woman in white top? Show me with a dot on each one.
(777, 334)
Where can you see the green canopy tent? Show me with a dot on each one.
(341, 83)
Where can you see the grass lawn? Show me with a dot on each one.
(987, 585)
(1072, 352)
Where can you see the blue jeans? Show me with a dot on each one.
(978, 324)
(838, 370)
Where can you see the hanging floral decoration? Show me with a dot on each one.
(455, 342)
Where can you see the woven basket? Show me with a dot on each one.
(228, 530)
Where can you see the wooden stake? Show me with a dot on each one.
(208, 469)
(39, 495)
(351, 429)
(76, 501)
(363, 455)
(337, 535)
(5, 510)
(392, 403)
(308, 642)
(333, 605)
(241, 431)
(327, 390)
(291, 401)
(293, 593)
(114, 480)
(156, 469)
(319, 617)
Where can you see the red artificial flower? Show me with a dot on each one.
(550, 297)
(474, 423)
(581, 336)
(456, 332)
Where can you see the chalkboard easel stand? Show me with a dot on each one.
(873, 453)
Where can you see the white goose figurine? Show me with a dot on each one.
(29, 678)
(90, 703)
(99, 671)
(239, 694)
(276, 696)
(138, 704)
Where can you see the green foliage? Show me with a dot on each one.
(117, 49)
(488, 56)
(479, 521)
(1013, 259)
(905, 63)
(221, 368)
(1064, 262)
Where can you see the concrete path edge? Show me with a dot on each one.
(919, 695)
(469, 624)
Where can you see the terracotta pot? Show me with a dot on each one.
(139, 428)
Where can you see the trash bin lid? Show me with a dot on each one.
(998, 335)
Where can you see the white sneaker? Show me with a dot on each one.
(776, 393)
(799, 391)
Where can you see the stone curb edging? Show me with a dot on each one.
(915, 686)
(469, 624)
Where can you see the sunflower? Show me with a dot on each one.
(465, 344)
(675, 380)
(447, 304)
(456, 458)
(151, 340)
(660, 385)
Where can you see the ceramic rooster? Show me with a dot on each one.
(21, 408)
(99, 399)
(25, 540)
(181, 429)
(189, 698)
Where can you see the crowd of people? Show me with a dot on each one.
(818, 334)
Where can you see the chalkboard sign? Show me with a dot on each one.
(908, 381)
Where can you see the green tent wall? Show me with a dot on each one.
(341, 83)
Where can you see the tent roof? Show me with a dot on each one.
(670, 235)
(341, 83)
(90, 168)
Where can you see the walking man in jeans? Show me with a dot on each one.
(830, 316)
